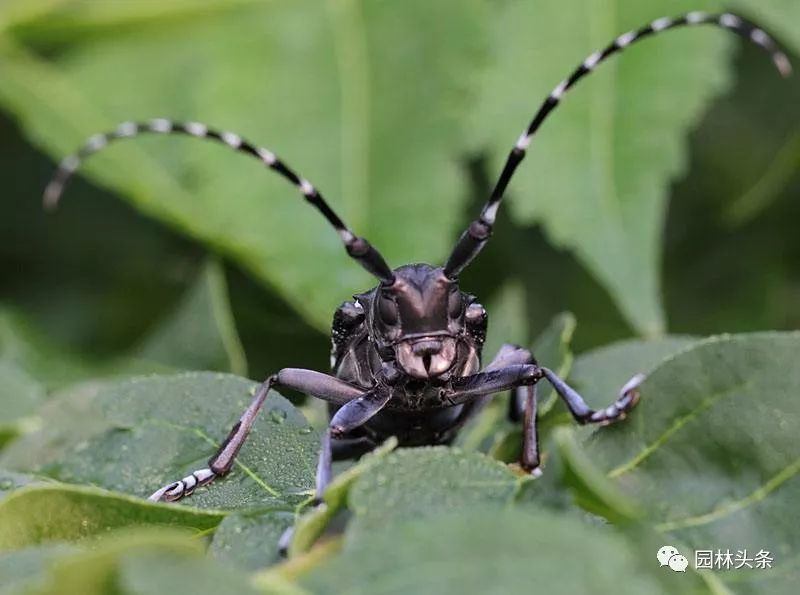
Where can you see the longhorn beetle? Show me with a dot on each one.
(406, 353)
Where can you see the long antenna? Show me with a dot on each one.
(477, 234)
(358, 248)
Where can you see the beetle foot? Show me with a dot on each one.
(619, 409)
(183, 487)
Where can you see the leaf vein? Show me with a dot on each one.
(679, 422)
(756, 496)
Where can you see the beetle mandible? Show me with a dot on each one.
(406, 354)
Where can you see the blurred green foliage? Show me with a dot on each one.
(659, 202)
(323, 86)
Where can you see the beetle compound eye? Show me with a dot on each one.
(387, 310)
(454, 304)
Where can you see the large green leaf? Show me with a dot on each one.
(250, 540)
(597, 175)
(143, 562)
(487, 551)
(336, 497)
(20, 395)
(138, 435)
(330, 101)
(411, 483)
(712, 453)
(23, 569)
(40, 514)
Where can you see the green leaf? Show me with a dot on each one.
(20, 396)
(712, 453)
(23, 570)
(138, 435)
(10, 481)
(410, 483)
(309, 527)
(597, 175)
(332, 109)
(487, 551)
(52, 20)
(201, 333)
(41, 514)
(250, 540)
(591, 488)
(142, 562)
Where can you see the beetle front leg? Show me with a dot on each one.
(522, 378)
(352, 415)
(583, 414)
(310, 382)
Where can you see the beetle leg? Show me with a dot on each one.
(310, 382)
(352, 415)
(583, 414)
(522, 379)
(508, 355)
(530, 459)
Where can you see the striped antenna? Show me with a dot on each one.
(475, 237)
(358, 248)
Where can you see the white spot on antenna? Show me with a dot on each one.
(758, 36)
(160, 125)
(70, 164)
(782, 63)
(126, 129)
(592, 60)
(661, 24)
(346, 235)
(51, 194)
(625, 39)
(232, 140)
(490, 213)
(196, 128)
(559, 90)
(306, 188)
(524, 140)
(693, 18)
(96, 142)
(730, 20)
(267, 157)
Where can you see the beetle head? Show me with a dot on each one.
(419, 316)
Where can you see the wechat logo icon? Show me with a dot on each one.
(670, 556)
